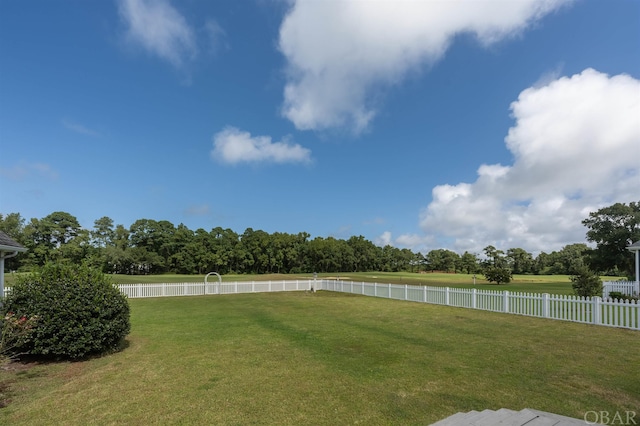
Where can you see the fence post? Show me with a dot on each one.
(545, 305)
(505, 301)
(446, 296)
(474, 294)
(424, 293)
(405, 291)
(595, 310)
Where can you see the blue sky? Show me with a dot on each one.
(420, 124)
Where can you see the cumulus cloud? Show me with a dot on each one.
(339, 52)
(575, 143)
(411, 241)
(234, 146)
(160, 29)
(384, 239)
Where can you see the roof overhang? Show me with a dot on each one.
(634, 247)
(12, 248)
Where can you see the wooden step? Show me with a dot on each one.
(506, 417)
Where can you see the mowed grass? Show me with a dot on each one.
(329, 358)
(552, 284)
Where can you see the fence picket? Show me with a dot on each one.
(628, 288)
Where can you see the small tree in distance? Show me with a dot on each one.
(586, 283)
(497, 274)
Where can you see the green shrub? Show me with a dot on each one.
(586, 283)
(616, 295)
(79, 312)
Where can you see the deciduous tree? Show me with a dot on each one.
(519, 260)
(613, 229)
(497, 274)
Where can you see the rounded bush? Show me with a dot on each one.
(79, 311)
(497, 274)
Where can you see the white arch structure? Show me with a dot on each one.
(217, 291)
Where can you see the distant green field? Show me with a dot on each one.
(552, 284)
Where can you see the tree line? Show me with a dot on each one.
(152, 247)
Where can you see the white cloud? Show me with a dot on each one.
(232, 145)
(374, 221)
(411, 241)
(160, 29)
(23, 171)
(576, 145)
(339, 52)
(384, 239)
(79, 128)
(216, 36)
(198, 210)
(549, 76)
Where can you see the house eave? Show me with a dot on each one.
(5, 248)
(634, 247)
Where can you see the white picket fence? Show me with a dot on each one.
(591, 310)
(630, 288)
(594, 310)
(199, 288)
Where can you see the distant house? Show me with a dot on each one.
(8, 249)
(635, 247)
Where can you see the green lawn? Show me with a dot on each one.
(557, 284)
(552, 284)
(329, 358)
